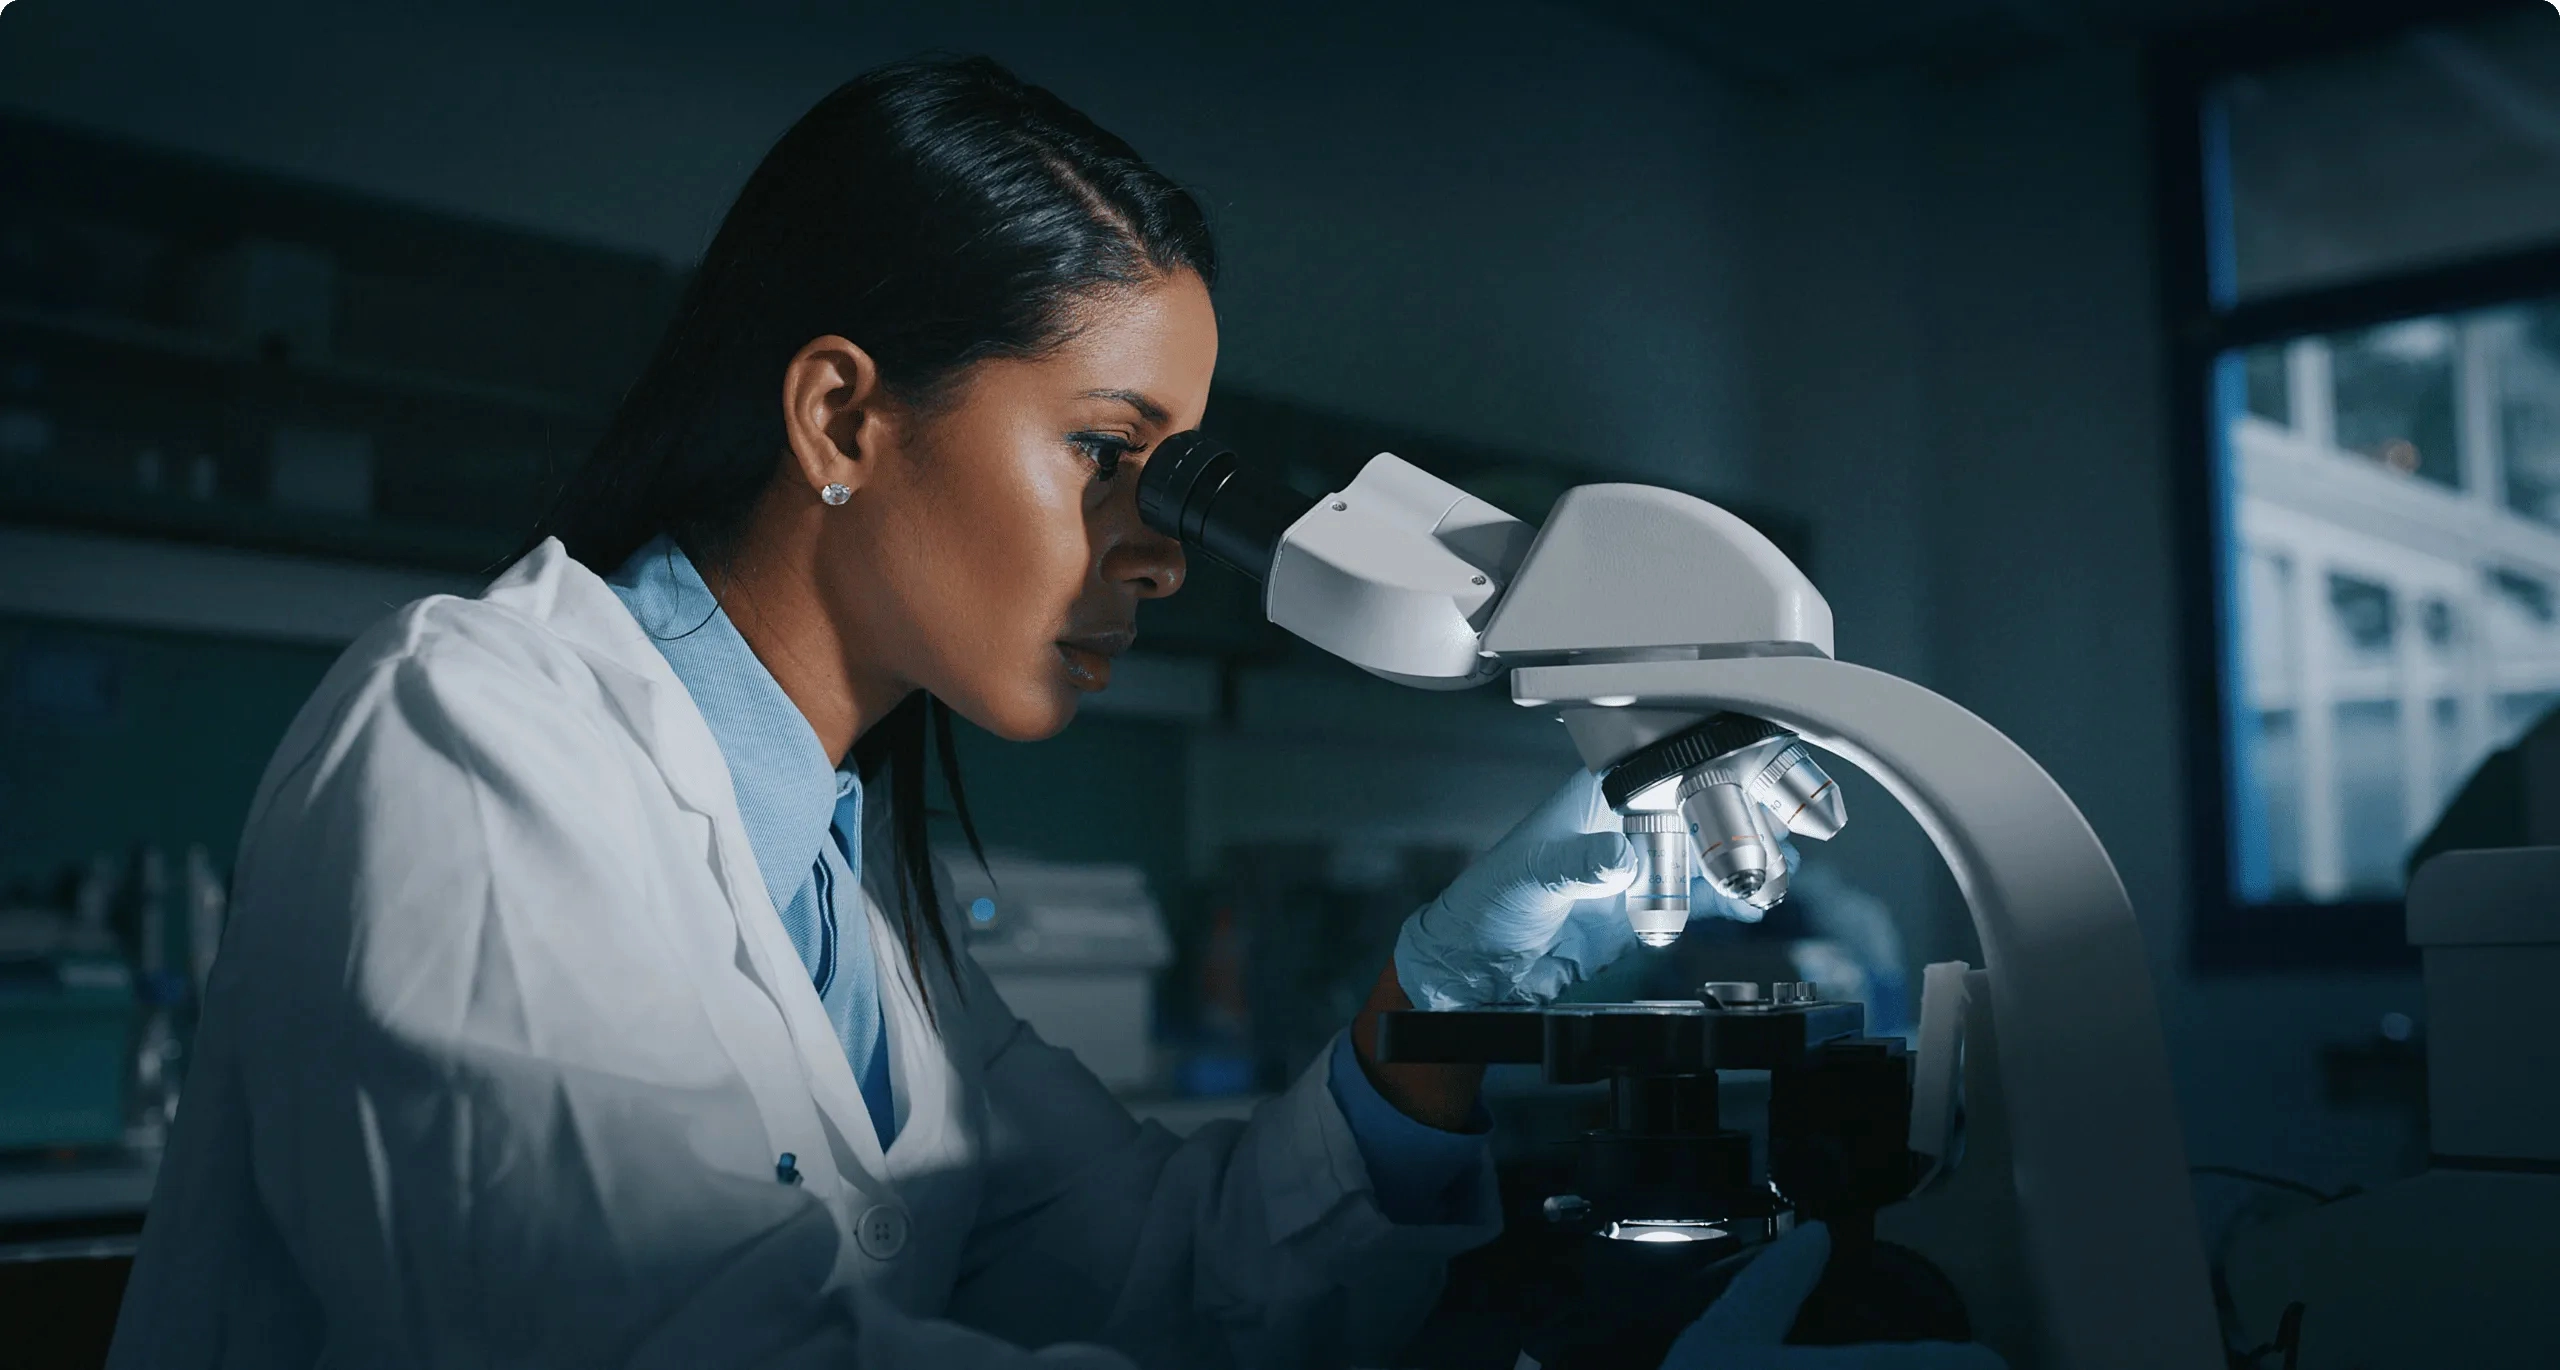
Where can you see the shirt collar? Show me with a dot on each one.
(788, 791)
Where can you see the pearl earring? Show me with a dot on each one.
(836, 493)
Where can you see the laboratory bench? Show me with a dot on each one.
(89, 1203)
(68, 1228)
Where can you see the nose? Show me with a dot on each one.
(1148, 562)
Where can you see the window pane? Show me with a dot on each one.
(2442, 144)
(2371, 841)
(2270, 389)
(2394, 393)
(2396, 519)
(2527, 347)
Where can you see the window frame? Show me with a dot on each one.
(2225, 934)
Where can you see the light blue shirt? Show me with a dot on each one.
(804, 823)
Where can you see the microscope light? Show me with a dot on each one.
(1663, 1230)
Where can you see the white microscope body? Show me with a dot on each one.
(1636, 613)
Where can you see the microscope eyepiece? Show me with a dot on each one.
(1198, 492)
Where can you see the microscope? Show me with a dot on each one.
(2026, 1188)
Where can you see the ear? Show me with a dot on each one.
(834, 414)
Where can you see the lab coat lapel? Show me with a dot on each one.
(935, 1161)
(579, 606)
(919, 1073)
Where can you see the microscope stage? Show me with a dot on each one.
(1578, 1043)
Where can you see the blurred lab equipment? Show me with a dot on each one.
(66, 1020)
(207, 898)
(278, 298)
(321, 469)
(206, 905)
(1691, 662)
(98, 990)
(145, 921)
(159, 1052)
(1074, 949)
(1318, 919)
(1216, 1056)
(2511, 799)
(2451, 1266)
(27, 429)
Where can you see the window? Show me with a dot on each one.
(2394, 515)
(2365, 245)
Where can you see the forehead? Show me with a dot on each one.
(1159, 340)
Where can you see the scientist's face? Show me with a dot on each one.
(991, 551)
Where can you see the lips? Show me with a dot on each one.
(1088, 656)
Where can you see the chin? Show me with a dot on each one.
(1033, 714)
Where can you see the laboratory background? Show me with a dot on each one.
(2175, 384)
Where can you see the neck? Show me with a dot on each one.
(770, 592)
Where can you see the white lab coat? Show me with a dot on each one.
(506, 1038)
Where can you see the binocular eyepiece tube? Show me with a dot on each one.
(1198, 492)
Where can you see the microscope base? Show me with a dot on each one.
(1633, 1301)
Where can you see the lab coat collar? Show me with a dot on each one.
(787, 789)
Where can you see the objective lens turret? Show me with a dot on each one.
(1716, 798)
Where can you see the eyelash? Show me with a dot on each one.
(1105, 451)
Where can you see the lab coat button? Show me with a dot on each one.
(882, 1232)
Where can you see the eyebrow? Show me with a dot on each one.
(1148, 409)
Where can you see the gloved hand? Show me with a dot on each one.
(1530, 917)
(1746, 1328)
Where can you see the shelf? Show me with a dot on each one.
(135, 583)
(253, 527)
(184, 345)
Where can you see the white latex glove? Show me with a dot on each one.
(1746, 1328)
(1540, 911)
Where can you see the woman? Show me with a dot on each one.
(588, 999)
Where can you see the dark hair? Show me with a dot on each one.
(937, 213)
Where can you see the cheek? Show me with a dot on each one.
(1012, 550)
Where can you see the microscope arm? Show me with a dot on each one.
(2107, 1216)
